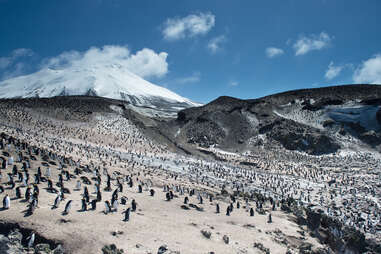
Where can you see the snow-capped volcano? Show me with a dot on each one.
(105, 80)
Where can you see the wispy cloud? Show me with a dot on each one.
(369, 71)
(214, 44)
(312, 42)
(272, 52)
(16, 54)
(233, 83)
(333, 71)
(189, 26)
(194, 78)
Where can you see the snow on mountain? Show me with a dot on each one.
(105, 80)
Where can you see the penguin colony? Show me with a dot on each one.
(113, 156)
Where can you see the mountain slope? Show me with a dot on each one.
(316, 121)
(104, 80)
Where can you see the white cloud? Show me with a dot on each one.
(194, 78)
(233, 83)
(145, 63)
(369, 71)
(272, 52)
(16, 54)
(306, 44)
(333, 71)
(189, 26)
(215, 44)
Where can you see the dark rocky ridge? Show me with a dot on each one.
(229, 122)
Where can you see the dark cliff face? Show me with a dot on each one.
(230, 123)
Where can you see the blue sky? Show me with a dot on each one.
(204, 49)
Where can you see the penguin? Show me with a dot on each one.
(50, 184)
(168, 196)
(48, 172)
(67, 207)
(18, 192)
(78, 185)
(107, 207)
(269, 219)
(186, 199)
(127, 214)
(6, 202)
(115, 205)
(94, 204)
(217, 208)
(228, 211)
(28, 193)
(31, 240)
(133, 205)
(99, 196)
(84, 205)
(123, 201)
(140, 189)
(152, 192)
(57, 201)
(251, 212)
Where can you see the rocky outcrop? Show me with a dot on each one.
(340, 238)
(14, 239)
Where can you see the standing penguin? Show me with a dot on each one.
(217, 208)
(18, 192)
(127, 214)
(228, 211)
(57, 201)
(6, 202)
(251, 212)
(94, 204)
(107, 207)
(133, 205)
(115, 205)
(270, 220)
(84, 205)
(31, 240)
(152, 192)
(78, 185)
(67, 207)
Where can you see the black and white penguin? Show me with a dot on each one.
(94, 204)
(251, 212)
(67, 207)
(31, 240)
(133, 205)
(84, 204)
(270, 220)
(115, 205)
(127, 214)
(107, 207)
(18, 192)
(6, 202)
(57, 202)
